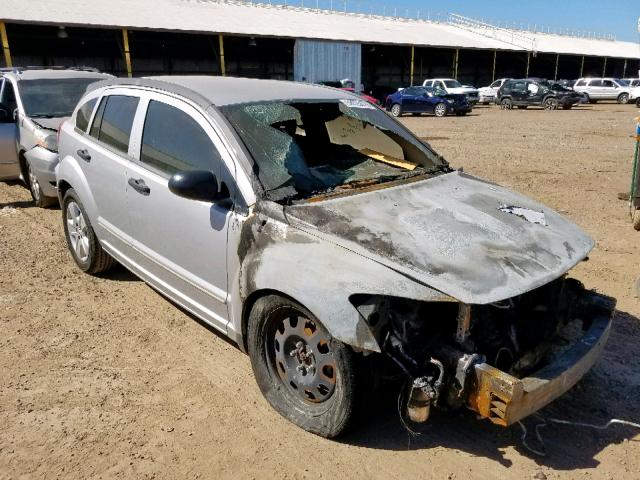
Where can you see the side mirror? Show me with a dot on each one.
(197, 185)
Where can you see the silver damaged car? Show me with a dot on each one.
(332, 245)
(34, 101)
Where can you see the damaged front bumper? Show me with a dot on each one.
(505, 399)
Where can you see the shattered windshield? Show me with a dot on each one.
(302, 148)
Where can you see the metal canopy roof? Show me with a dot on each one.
(262, 20)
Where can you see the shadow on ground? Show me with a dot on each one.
(610, 390)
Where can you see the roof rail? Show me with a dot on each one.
(50, 67)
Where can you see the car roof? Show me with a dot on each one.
(222, 91)
(38, 74)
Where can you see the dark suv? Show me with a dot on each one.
(525, 93)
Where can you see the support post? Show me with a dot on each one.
(455, 63)
(582, 67)
(127, 53)
(223, 66)
(493, 75)
(5, 45)
(604, 67)
(413, 62)
(624, 69)
(557, 63)
(526, 75)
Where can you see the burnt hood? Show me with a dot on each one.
(470, 239)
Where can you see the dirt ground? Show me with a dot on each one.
(104, 378)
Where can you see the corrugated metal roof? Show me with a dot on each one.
(206, 16)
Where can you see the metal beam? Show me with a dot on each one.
(5, 45)
(624, 69)
(223, 66)
(557, 63)
(526, 75)
(127, 53)
(582, 67)
(455, 63)
(413, 62)
(495, 55)
(604, 67)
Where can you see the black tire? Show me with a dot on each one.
(39, 198)
(623, 98)
(97, 260)
(550, 103)
(506, 104)
(635, 218)
(396, 110)
(328, 417)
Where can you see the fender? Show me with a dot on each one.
(274, 256)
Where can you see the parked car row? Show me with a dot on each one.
(319, 234)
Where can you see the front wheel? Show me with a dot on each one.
(623, 98)
(506, 104)
(304, 373)
(440, 110)
(39, 198)
(81, 239)
(396, 110)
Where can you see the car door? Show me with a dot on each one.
(535, 93)
(609, 90)
(519, 93)
(181, 243)
(595, 89)
(103, 154)
(9, 167)
(410, 99)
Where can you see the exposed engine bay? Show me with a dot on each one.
(443, 348)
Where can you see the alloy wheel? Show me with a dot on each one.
(623, 98)
(77, 231)
(34, 186)
(302, 354)
(396, 110)
(440, 110)
(550, 104)
(505, 104)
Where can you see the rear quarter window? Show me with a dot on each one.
(84, 114)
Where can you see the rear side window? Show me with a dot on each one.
(172, 141)
(607, 83)
(595, 83)
(113, 121)
(84, 114)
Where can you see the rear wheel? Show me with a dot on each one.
(550, 104)
(440, 110)
(635, 218)
(304, 373)
(81, 239)
(39, 198)
(623, 98)
(506, 104)
(396, 110)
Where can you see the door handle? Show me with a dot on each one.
(84, 155)
(139, 186)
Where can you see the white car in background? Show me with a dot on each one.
(597, 89)
(487, 95)
(452, 86)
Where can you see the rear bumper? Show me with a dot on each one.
(505, 399)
